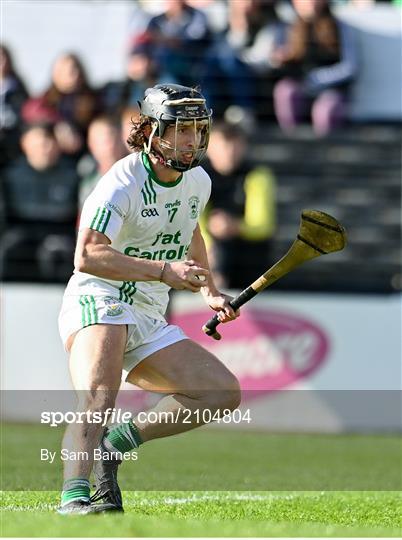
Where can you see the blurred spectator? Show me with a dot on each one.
(106, 147)
(2, 209)
(69, 101)
(140, 17)
(363, 4)
(12, 96)
(254, 26)
(240, 217)
(142, 72)
(320, 59)
(215, 11)
(128, 117)
(180, 37)
(238, 67)
(41, 208)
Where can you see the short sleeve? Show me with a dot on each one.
(206, 186)
(106, 208)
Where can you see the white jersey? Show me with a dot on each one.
(145, 218)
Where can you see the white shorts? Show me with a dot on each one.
(145, 334)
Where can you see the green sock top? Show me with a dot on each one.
(75, 489)
(124, 437)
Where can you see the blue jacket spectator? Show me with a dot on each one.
(142, 72)
(239, 59)
(180, 37)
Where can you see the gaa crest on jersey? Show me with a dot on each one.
(194, 203)
(113, 306)
(149, 212)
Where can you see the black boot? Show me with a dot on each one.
(107, 497)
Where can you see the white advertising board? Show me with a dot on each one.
(304, 361)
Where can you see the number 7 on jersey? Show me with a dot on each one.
(171, 213)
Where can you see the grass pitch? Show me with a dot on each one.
(213, 483)
(326, 514)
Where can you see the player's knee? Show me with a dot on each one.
(233, 395)
(226, 395)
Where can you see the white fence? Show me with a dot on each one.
(304, 361)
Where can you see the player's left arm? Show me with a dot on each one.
(215, 299)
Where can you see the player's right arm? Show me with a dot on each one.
(103, 216)
(94, 255)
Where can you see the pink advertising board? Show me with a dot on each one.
(267, 349)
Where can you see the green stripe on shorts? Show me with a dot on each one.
(127, 291)
(83, 312)
(94, 311)
(131, 292)
(89, 313)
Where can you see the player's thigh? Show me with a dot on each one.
(183, 367)
(96, 357)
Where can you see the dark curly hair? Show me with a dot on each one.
(137, 139)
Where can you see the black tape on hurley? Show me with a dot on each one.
(209, 327)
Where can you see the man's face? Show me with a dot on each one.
(309, 9)
(66, 74)
(182, 141)
(4, 63)
(40, 148)
(174, 5)
(103, 140)
(225, 154)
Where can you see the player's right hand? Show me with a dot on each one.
(183, 275)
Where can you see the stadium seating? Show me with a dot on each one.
(354, 175)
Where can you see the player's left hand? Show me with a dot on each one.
(220, 303)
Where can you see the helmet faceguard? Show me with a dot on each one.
(182, 108)
(182, 158)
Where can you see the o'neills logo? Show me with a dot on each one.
(267, 350)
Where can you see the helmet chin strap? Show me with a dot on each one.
(147, 145)
(151, 151)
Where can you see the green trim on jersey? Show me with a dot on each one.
(127, 291)
(148, 193)
(100, 222)
(89, 313)
(152, 175)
